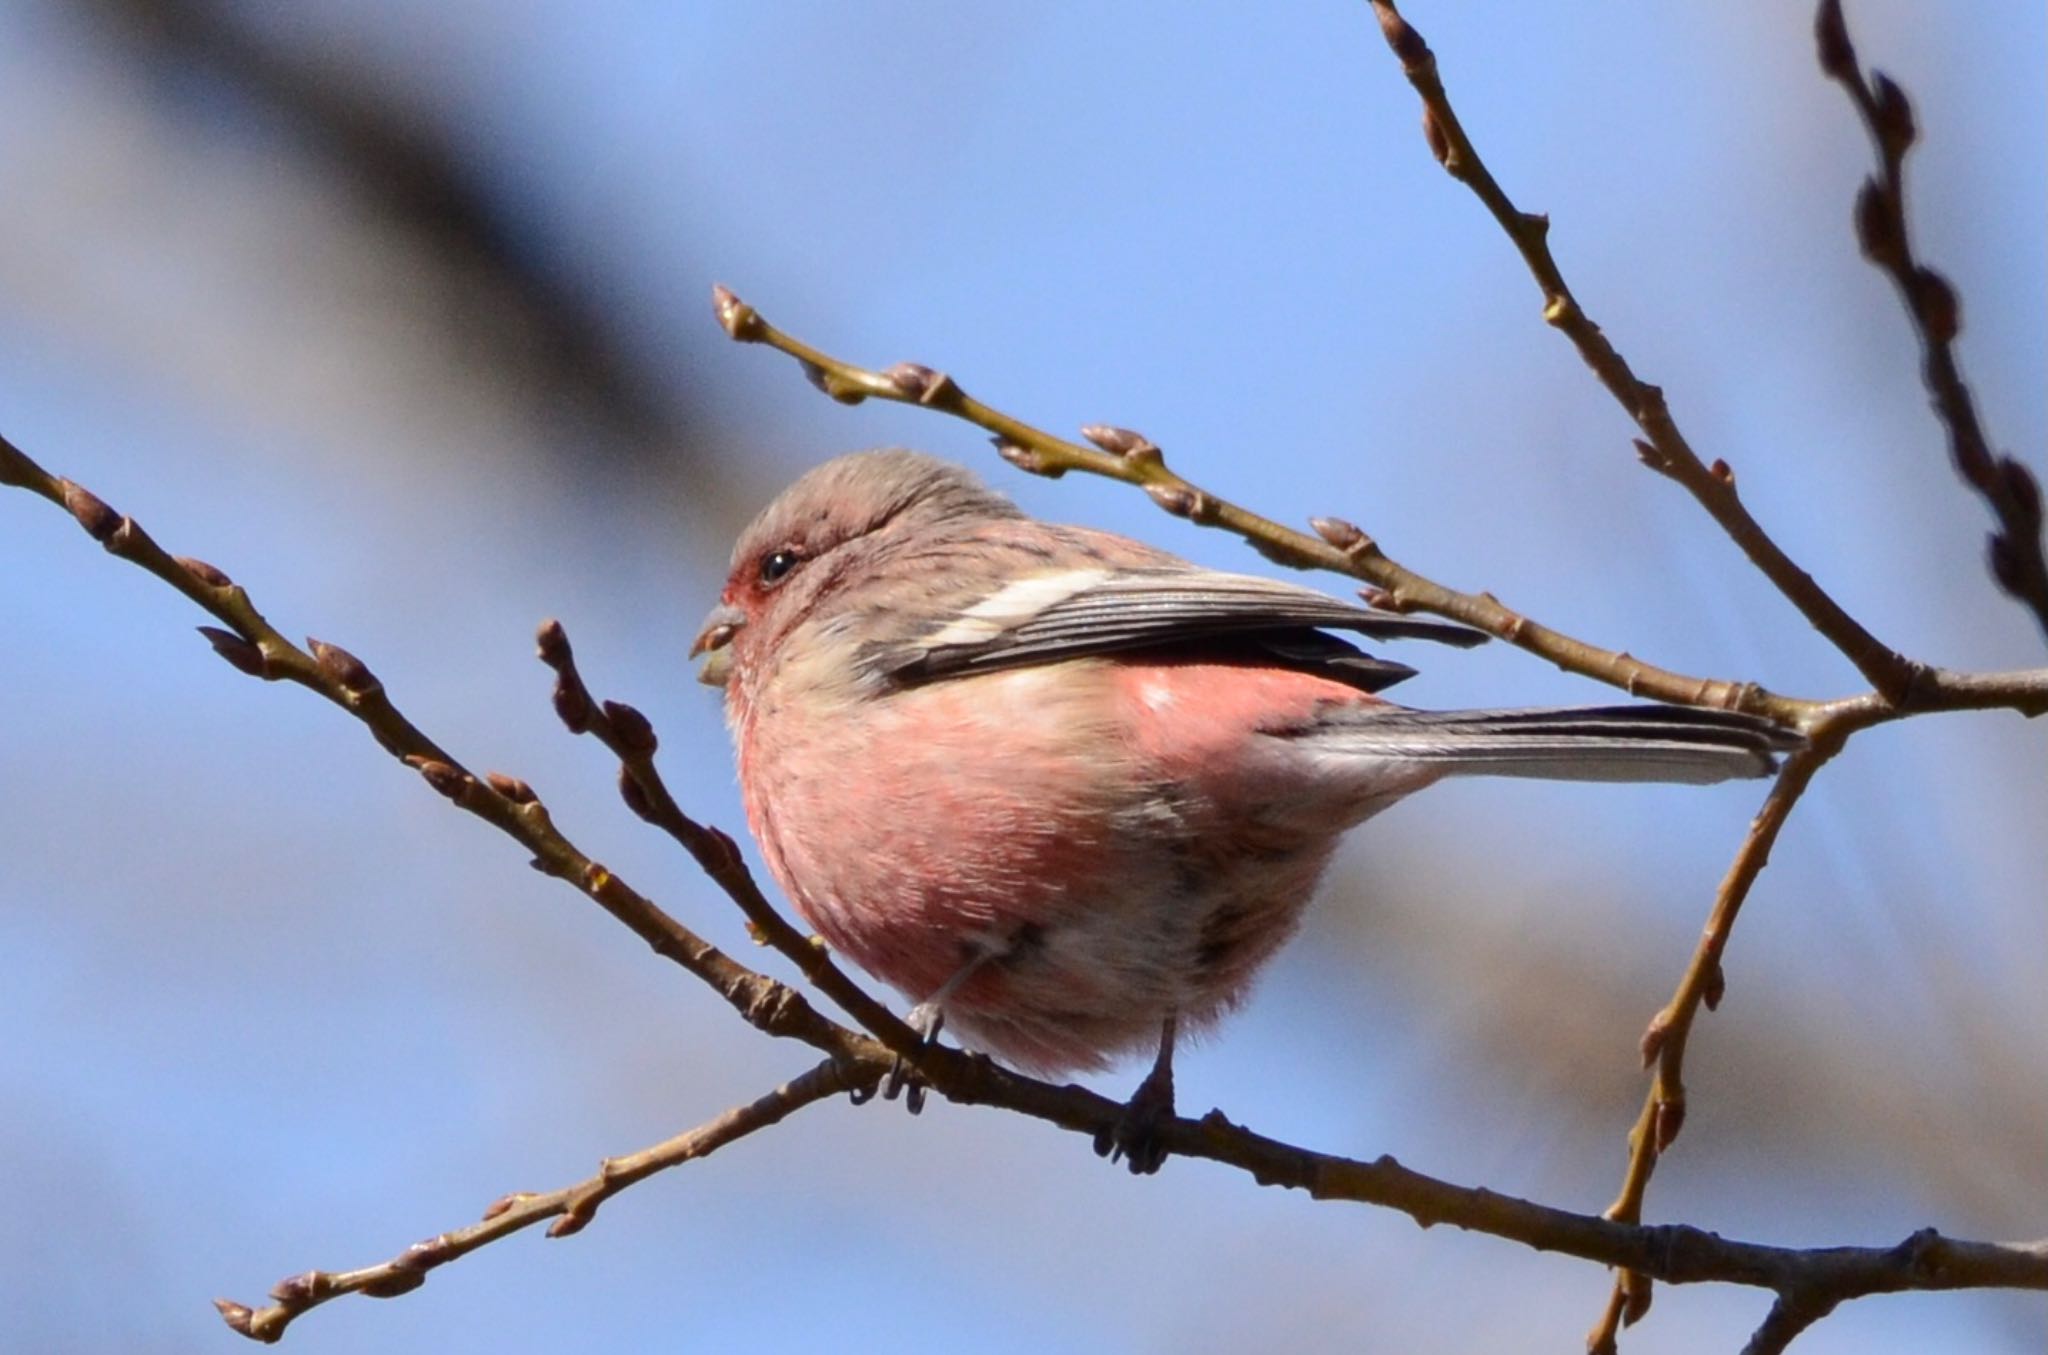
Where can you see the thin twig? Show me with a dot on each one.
(1342, 548)
(630, 735)
(1665, 449)
(1664, 1040)
(572, 1207)
(2006, 485)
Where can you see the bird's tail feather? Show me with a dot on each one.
(1571, 743)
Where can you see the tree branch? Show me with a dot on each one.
(1666, 450)
(2005, 484)
(572, 1207)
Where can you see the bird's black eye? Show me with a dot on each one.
(776, 565)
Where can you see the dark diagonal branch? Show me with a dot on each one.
(2004, 482)
(1663, 447)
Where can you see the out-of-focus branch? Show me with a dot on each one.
(1677, 1254)
(1663, 448)
(1342, 548)
(571, 1207)
(2006, 485)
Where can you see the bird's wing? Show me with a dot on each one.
(1077, 613)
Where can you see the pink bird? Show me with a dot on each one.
(1068, 792)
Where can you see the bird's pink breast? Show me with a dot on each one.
(1127, 831)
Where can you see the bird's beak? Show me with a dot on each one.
(719, 628)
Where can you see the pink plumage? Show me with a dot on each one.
(1070, 792)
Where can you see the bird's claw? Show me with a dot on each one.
(904, 1080)
(1136, 1139)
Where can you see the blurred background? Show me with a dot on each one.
(398, 313)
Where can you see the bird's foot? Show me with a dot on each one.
(927, 1019)
(1135, 1139)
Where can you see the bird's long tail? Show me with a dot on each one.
(1570, 743)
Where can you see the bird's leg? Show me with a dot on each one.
(1135, 1137)
(927, 1018)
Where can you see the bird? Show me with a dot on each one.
(1068, 792)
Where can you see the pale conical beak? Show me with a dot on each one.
(719, 628)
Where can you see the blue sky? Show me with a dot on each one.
(271, 1005)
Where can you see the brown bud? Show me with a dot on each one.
(1401, 36)
(1654, 1036)
(1670, 1118)
(915, 381)
(1937, 304)
(1722, 471)
(91, 511)
(1339, 533)
(1715, 988)
(1433, 137)
(572, 704)
(447, 779)
(553, 643)
(425, 1255)
(392, 1285)
(1636, 1292)
(2023, 489)
(511, 787)
(1536, 223)
(205, 573)
(735, 317)
(298, 1290)
(1831, 39)
(635, 795)
(725, 844)
(1877, 227)
(345, 668)
(1174, 499)
(236, 1315)
(1123, 442)
(1379, 599)
(568, 1224)
(505, 1202)
(1026, 460)
(236, 651)
(635, 734)
(1891, 114)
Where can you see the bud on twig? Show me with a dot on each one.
(572, 704)
(237, 651)
(915, 381)
(236, 1315)
(511, 787)
(1636, 1293)
(1343, 535)
(449, 780)
(1401, 36)
(1654, 1036)
(205, 572)
(1433, 137)
(1891, 115)
(346, 669)
(1877, 228)
(1716, 987)
(735, 317)
(1123, 442)
(91, 511)
(1669, 1120)
(635, 796)
(1026, 459)
(1175, 499)
(635, 734)
(553, 643)
(1937, 304)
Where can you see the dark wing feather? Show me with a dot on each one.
(1182, 609)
